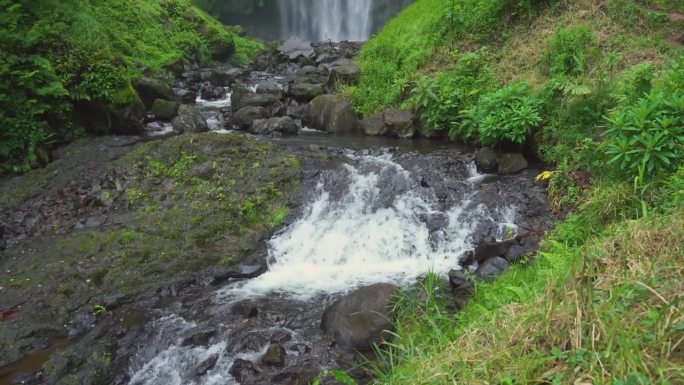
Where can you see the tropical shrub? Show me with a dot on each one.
(506, 115)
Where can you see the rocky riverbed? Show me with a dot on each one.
(181, 256)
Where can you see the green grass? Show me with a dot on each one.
(601, 304)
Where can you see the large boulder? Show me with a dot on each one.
(373, 124)
(244, 117)
(275, 356)
(511, 163)
(284, 125)
(270, 102)
(150, 89)
(312, 75)
(294, 48)
(306, 91)
(269, 86)
(239, 93)
(165, 109)
(346, 74)
(359, 320)
(128, 118)
(492, 268)
(488, 250)
(331, 113)
(212, 92)
(189, 121)
(400, 123)
(486, 160)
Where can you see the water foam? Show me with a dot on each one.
(366, 236)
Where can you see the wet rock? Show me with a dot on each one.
(467, 258)
(128, 119)
(244, 117)
(251, 342)
(165, 109)
(492, 249)
(199, 336)
(95, 221)
(294, 47)
(358, 320)
(312, 75)
(80, 323)
(305, 91)
(150, 89)
(434, 221)
(492, 268)
(240, 92)
(268, 101)
(186, 96)
(524, 247)
(284, 125)
(211, 92)
(462, 287)
(486, 160)
(189, 121)
(511, 163)
(346, 74)
(374, 124)
(331, 113)
(240, 272)
(274, 356)
(269, 86)
(242, 369)
(206, 365)
(203, 171)
(246, 309)
(399, 123)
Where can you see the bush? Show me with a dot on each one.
(506, 115)
(59, 57)
(441, 98)
(569, 51)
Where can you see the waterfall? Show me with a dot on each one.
(336, 20)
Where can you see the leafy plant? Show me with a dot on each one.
(506, 115)
(646, 139)
(569, 51)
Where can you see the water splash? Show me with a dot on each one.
(374, 230)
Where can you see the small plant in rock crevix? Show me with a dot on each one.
(506, 115)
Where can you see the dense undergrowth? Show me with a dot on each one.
(67, 62)
(596, 87)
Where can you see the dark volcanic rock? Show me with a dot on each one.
(211, 92)
(492, 249)
(373, 124)
(165, 109)
(189, 120)
(346, 74)
(486, 160)
(512, 163)
(399, 123)
(150, 89)
(284, 125)
(274, 356)
(240, 272)
(305, 91)
(198, 336)
(492, 268)
(203, 367)
(462, 287)
(358, 320)
(128, 119)
(331, 113)
(294, 47)
(242, 369)
(244, 118)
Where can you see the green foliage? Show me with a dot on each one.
(646, 139)
(569, 51)
(441, 98)
(60, 57)
(389, 60)
(505, 115)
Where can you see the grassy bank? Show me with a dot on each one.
(65, 56)
(595, 87)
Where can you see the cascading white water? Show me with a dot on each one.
(336, 20)
(366, 236)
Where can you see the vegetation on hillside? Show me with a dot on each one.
(596, 87)
(66, 63)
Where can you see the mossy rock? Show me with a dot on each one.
(165, 109)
